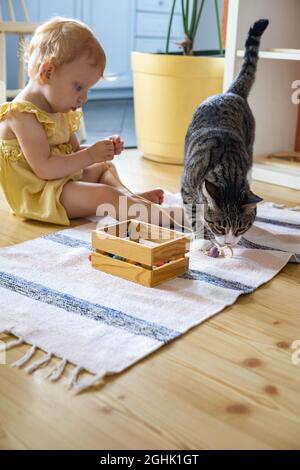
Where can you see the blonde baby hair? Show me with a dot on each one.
(60, 41)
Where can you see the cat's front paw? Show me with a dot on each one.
(201, 244)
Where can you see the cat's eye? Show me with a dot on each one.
(220, 229)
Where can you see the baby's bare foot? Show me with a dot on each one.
(155, 195)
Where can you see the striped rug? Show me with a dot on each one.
(51, 298)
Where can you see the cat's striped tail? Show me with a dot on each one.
(245, 79)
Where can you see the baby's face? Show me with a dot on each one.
(69, 84)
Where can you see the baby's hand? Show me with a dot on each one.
(101, 151)
(118, 143)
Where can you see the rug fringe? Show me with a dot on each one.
(57, 371)
(11, 344)
(74, 377)
(26, 358)
(84, 384)
(39, 363)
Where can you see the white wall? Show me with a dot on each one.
(207, 34)
(114, 23)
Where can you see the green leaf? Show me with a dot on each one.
(187, 5)
(194, 15)
(170, 26)
(198, 19)
(218, 26)
(183, 16)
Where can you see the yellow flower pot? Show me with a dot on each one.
(167, 90)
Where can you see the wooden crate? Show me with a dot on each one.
(141, 246)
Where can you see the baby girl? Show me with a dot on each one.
(44, 172)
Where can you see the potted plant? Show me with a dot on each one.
(169, 86)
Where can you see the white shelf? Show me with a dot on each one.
(270, 100)
(280, 55)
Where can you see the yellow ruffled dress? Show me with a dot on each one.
(28, 195)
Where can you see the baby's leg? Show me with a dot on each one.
(99, 173)
(83, 199)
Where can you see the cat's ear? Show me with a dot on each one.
(211, 192)
(250, 200)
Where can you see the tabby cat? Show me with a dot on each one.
(218, 156)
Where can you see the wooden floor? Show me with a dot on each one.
(228, 383)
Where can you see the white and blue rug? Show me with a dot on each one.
(51, 297)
